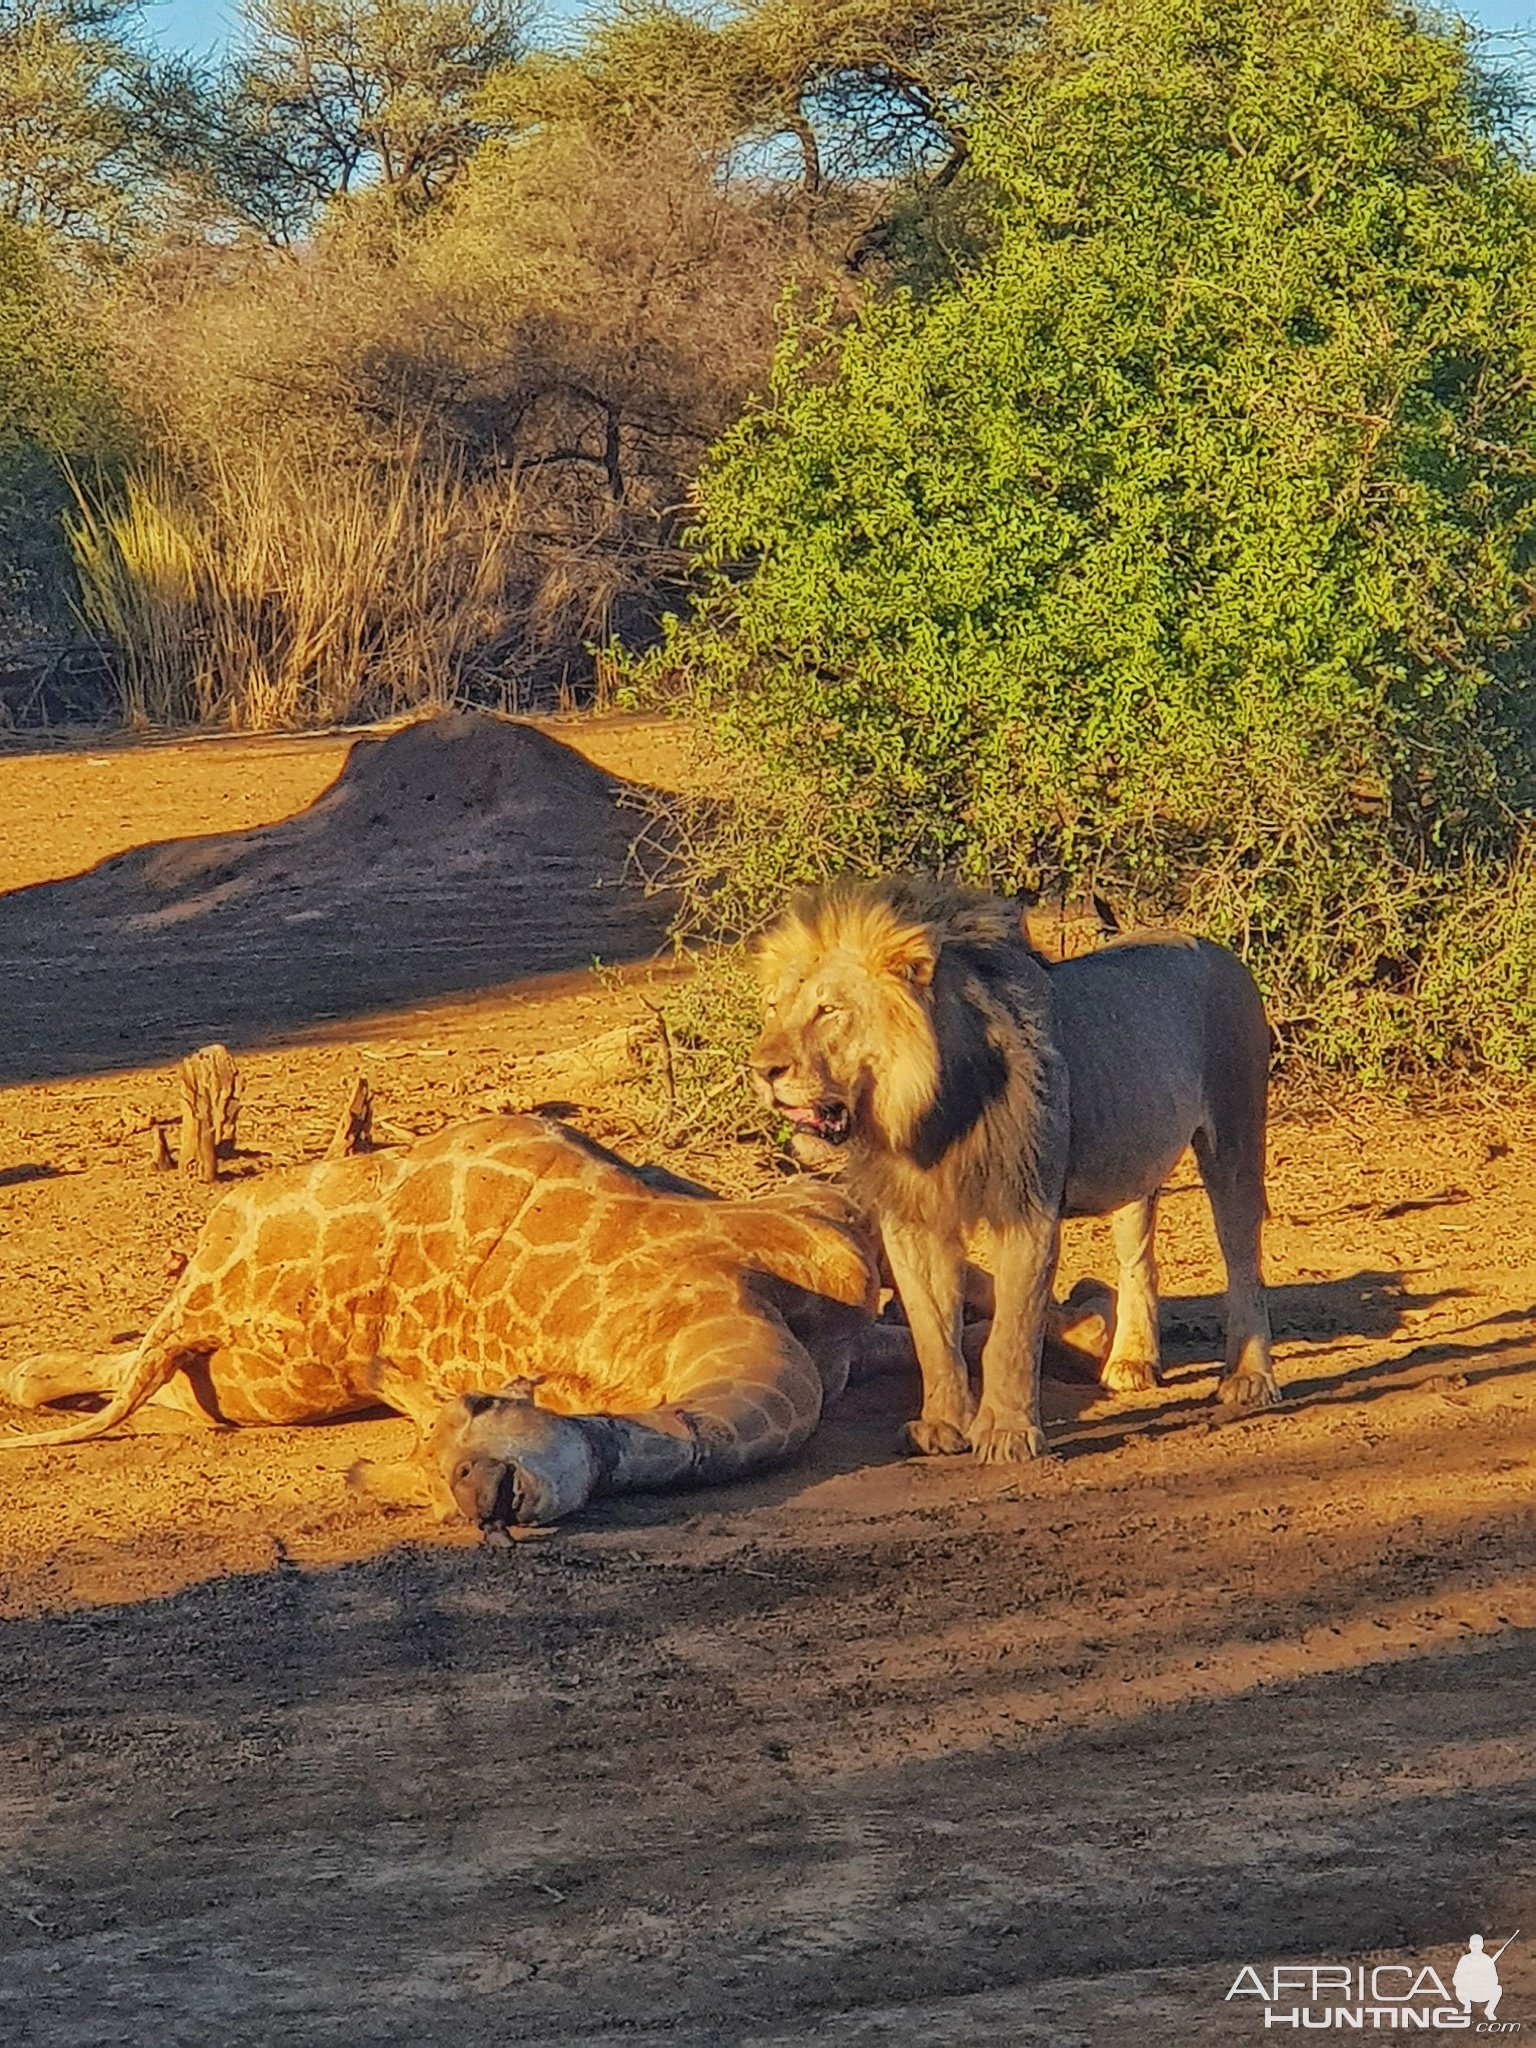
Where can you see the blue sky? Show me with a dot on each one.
(204, 25)
(1502, 17)
(200, 25)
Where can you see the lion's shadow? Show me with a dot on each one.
(1366, 1304)
(863, 1429)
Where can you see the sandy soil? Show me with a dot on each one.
(868, 1752)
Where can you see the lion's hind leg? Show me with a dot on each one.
(1134, 1363)
(1235, 1183)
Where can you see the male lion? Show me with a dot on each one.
(910, 1029)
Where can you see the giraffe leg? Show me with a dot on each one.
(414, 1481)
(1080, 1330)
(48, 1377)
(403, 1392)
(401, 1482)
(149, 1369)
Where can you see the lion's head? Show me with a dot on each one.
(852, 977)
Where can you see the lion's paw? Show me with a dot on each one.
(923, 1439)
(1243, 1393)
(992, 1445)
(1128, 1375)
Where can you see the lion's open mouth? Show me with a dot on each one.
(828, 1121)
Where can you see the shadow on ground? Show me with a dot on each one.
(864, 1428)
(1369, 1305)
(453, 856)
(770, 1797)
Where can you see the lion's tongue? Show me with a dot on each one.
(805, 1119)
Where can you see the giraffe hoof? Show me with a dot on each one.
(933, 1439)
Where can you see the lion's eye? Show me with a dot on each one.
(828, 1010)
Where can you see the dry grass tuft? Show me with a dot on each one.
(286, 593)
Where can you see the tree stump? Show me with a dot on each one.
(355, 1131)
(210, 1089)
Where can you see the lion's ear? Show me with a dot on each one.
(912, 956)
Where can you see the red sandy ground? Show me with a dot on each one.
(868, 1752)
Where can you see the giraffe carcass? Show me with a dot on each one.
(679, 1337)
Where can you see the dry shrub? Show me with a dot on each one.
(441, 458)
(674, 1087)
(286, 593)
(697, 1095)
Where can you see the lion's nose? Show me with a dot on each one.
(769, 1070)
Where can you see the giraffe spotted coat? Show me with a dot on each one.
(689, 1339)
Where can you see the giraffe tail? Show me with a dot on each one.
(156, 1362)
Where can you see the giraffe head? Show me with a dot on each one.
(509, 1464)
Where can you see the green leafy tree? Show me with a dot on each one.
(338, 97)
(1184, 547)
(93, 131)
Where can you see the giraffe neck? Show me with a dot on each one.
(695, 1446)
(641, 1453)
(506, 1460)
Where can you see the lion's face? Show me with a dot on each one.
(847, 1050)
(814, 1061)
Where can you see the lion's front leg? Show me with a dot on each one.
(928, 1271)
(1006, 1429)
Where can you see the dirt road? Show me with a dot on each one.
(867, 1752)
